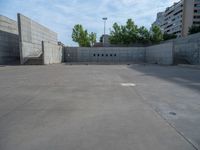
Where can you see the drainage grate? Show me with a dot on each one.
(172, 113)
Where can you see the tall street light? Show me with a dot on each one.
(104, 19)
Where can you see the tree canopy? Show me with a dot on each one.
(157, 35)
(81, 36)
(130, 33)
(126, 34)
(93, 37)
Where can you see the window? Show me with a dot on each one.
(98, 55)
(196, 22)
(110, 55)
(94, 55)
(197, 5)
(177, 32)
(169, 26)
(115, 55)
(106, 55)
(197, 11)
(196, 17)
(102, 55)
(178, 12)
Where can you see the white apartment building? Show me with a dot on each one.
(159, 20)
(179, 17)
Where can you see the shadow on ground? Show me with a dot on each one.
(183, 76)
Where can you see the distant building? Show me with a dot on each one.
(106, 41)
(179, 17)
(159, 20)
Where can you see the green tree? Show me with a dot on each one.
(169, 36)
(80, 36)
(143, 35)
(157, 35)
(116, 34)
(194, 29)
(130, 32)
(124, 34)
(93, 37)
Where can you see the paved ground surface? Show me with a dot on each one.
(61, 107)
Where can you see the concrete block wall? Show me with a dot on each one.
(104, 54)
(188, 49)
(52, 54)
(160, 54)
(9, 41)
(70, 54)
(31, 35)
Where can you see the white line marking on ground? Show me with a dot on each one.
(128, 84)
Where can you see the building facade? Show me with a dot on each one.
(159, 20)
(178, 18)
(196, 19)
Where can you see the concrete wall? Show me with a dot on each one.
(28, 45)
(187, 49)
(9, 41)
(31, 35)
(167, 53)
(52, 53)
(70, 54)
(104, 55)
(160, 54)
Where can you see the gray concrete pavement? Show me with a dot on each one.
(85, 108)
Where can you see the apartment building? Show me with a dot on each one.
(179, 17)
(159, 20)
(196, 20)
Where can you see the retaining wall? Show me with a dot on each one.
(52, 53)
(104, 55)
(167, 53)
(160, 54)
(187, 49)
(9, 41)
(31, 35)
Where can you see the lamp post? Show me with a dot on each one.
(104, 19)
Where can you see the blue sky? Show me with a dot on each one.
(62, 15)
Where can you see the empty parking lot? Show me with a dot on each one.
(99, 107)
